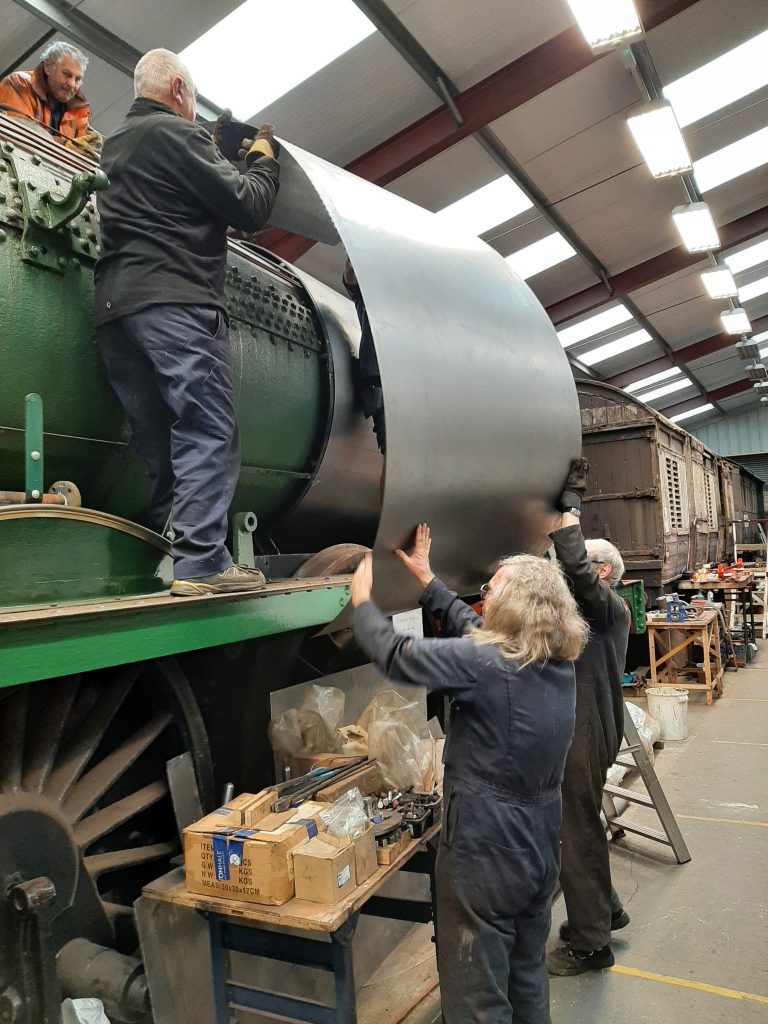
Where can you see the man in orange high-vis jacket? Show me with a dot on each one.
(50, 94)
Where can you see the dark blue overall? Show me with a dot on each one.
(498, 859)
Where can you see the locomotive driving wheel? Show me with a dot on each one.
(86, 820)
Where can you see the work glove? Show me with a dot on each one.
(575, 485)
(264, 144)
(218, 128)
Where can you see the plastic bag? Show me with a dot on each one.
(346, 817)
(396, 727)
(313, 728)
(647, 727)
(354, 741)
(83, 1011)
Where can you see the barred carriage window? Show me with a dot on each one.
(675, 479)
(711, 503)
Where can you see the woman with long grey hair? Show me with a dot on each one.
(511, 681)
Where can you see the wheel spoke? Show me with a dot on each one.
(13, 723)
(45, 738)
(101, 822)
(100, 863)
(95, 783)
(74, 758)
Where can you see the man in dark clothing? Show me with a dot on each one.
(370, 382)
(594, 568)
(161, 321)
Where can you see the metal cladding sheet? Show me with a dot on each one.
(481, 408)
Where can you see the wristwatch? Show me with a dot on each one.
(574, 512)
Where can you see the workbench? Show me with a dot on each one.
(732, 590)
(702, 630)
(298, 933)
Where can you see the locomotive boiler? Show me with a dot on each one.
(104, 677)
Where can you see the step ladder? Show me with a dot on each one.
(654, 797)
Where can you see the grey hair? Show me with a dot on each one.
(59, 49)
(155, 72)
(604, 551)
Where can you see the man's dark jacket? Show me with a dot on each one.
(601, 667)
(164, 218)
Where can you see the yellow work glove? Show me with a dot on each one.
(262, 145)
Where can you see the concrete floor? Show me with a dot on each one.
(699, 929)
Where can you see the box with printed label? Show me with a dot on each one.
(249, 864)
(324, 869)
(245, 809)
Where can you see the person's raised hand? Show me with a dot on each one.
(362, 581)
(417, 563)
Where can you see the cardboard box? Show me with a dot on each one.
(249, 864)
(245, 809)
(324, 869)
(386, 854)
(366, 861)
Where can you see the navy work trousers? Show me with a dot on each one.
(494, 909)
(170, 367)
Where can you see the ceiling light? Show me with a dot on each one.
(719, 283)
(722, 81)
(732, 161)
(747, 258)
(696, 227)
(735, 321)
(541, 255)
(666, 389)
(692, 412)
(614, 348)
(498, 201)
(660, 141)
(594, 325)
(304, 36)
(646, 382)
(752, 290)
(607, 22)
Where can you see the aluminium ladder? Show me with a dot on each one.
(654, 797)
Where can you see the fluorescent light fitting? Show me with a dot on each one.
(541, 255)
(732, 161)
(498, 201)
(721, 81)
(303, 37)
(655, 378)
(615, 348)
(719, 283)
(660, 141)
(692, 412)
(747, 258)
(593, 325)
(753, 289)
(666, 389)
(696, 227)
(735, 321)
(605, 23)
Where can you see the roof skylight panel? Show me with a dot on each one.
(665, 389)
(594, 325)
(295, 40)
(692, 412)
(732, 161)
(540, 256)
(615, 348)
(721, 81)
(747, 258)
(498, 201)
(655, 378)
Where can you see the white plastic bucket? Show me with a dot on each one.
(669, 706)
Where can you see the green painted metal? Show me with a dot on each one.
(46, 648)
(633, 593)
(243, 526)
(283, 380)
(33, 454)
(50, 555)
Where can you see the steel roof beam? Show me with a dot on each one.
(655, 269)
(737, 387)
(681, 356)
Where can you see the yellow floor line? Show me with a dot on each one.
(742, 743)
(699, 986)
(727, 821)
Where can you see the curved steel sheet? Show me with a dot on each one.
(481, 407)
